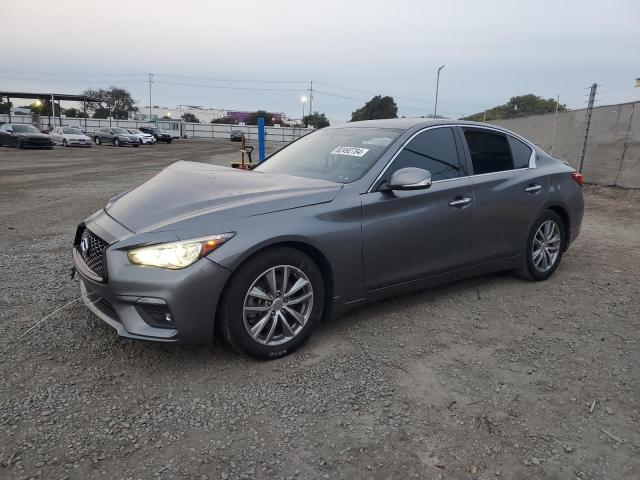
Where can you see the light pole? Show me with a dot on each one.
(435, 108)
(303, 100)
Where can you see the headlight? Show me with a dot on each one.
(176, 255)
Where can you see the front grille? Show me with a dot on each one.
(91, 248)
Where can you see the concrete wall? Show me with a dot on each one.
(613, 149)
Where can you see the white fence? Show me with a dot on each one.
(176, 128)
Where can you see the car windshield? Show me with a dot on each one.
(72, 131)
(24, 129)
(134, 130)
(336, 154)
(119, 130)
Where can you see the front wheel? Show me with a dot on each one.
(97, 140)
(64, 143)
(272, 303)
(545, 245)
(170, 140)
(116, 142)
(18, 143)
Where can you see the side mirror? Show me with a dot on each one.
(9, 130)
(409, 178)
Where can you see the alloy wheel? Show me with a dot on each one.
(546, 246)
(116, 142)
(278, 305)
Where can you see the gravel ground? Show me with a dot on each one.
(491, 377)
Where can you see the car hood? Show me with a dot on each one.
(186, 190)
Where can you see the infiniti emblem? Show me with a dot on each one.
(84, 245)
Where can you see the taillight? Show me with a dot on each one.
(578, 178)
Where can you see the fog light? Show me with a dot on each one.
(155, 312)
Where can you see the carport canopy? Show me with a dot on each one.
(53, 96)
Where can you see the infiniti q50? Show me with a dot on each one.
(338, 218)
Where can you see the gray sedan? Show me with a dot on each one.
(339, 218)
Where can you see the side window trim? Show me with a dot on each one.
(461, 160)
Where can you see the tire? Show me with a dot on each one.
(135, 145)
(116, 142)
(64, 142)
(140, 141)
(18, 144)
(170, 140)
(538, 267)
(288, 334)
(97, 140)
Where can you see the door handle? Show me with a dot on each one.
(533, 188)
(460, 202)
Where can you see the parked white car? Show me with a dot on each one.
(69, 136)
(145, 138)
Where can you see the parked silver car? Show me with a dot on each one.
(143, 138)
(70, 136)
(341, 217)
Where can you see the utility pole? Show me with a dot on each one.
(435, 108)
(587, 124)
(555, 124)
(150, 83)
(311, 98)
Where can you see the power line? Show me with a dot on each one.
(227, 87)
(238, 80)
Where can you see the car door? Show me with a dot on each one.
(413, 234)
(4, 135)
(55, 135)
(509, 192)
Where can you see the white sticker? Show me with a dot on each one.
(352, 151)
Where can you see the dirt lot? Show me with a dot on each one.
(492, 377)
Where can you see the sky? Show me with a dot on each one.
(253, 55)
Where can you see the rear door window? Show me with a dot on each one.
(489, 150)
(433, 150)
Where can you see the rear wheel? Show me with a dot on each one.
(170, 140)
(116, 142)
(272, 303)
(18, 143)
(545, 245)
(97, 140)
(64, 143)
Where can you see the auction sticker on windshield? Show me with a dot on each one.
(352, 151)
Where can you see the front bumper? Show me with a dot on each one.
(79, 143)
(191, 294)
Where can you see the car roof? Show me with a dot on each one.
(406, 123)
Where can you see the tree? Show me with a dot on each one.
(5, 107)
(43, 107)
(520, 106)
(376, 108)
(115, 100)
(253, 118)
(190, 117)
(74, 113)
(227, 120)
(316, 119)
